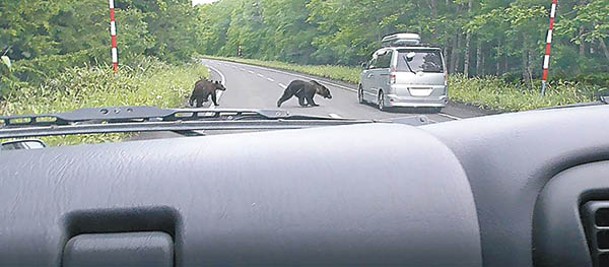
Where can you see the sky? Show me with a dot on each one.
(196, 2)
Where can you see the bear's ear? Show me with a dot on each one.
(217, 82)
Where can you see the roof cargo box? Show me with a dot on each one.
(401, 39)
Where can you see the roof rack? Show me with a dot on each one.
(401, 39)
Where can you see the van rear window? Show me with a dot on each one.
(424, 60)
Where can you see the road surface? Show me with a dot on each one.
(259, 88)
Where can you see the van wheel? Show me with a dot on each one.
(360, 94)
(381, 101)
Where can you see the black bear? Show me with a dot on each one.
(304, 91)
(203, 89)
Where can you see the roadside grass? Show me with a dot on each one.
(147, 83)
(491, 93)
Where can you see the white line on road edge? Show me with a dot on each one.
(270, 79)
(282, 85)
(335, 116)
(223, 78)
(296, 75)
(449, 116)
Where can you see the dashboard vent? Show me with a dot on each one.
(595, 217)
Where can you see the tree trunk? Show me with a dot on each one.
(457, 52)
(498, 58)
(525, 63)
(604, 47)
(434, 16)
(434, 8)
(468, 38)
(481, 70)
(506, 63)
(466, 54)
(453, 54)
(582, 44)
(479, 58)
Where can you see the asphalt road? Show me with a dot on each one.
(259, 88)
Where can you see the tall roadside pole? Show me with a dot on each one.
(546, 59)
(113, 35)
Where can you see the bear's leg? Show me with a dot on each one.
(199, 102)
(301, 101)
(213, 99)
(311, 102)
(287, 94)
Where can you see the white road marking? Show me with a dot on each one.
(241, 69)
(250, 71)
(270, 79)
(449, 116)
(260, 75)
(282, 85)
(335, 116)
(297, 75)
(223, 78)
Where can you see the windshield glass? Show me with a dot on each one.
(423, 60)
(322, 58)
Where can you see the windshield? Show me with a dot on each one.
(319, 58)
(423, 60)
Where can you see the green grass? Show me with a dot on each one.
(148, 83)
(486, 92)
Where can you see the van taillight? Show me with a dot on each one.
(392, 78)
(445, 78)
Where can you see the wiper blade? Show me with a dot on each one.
(144, 114)
(408, 64)
(150, 119)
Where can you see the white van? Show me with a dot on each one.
(405, 74)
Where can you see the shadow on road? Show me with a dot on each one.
(409, 110)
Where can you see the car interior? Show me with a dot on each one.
(515, 189)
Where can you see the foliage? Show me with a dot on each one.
(488, 37)
(149, 83)
(41, 28)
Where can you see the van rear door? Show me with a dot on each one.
(424, 71)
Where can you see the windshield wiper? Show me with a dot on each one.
(151, 119)
(408, 64)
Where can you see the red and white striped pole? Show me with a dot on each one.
(546, 59)
(113, 34)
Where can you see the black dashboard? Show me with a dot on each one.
(520, 189)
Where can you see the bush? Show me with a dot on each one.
(41, 68)
(148, 83)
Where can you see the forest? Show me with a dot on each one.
(40, 39)
(490, 37)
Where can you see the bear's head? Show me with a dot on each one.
(219, 86)
(321, 90)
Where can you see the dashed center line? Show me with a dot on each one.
(283, 85)
(270, 79)
(250, 71)
(335, 116)
(241, 69)
(260, 75)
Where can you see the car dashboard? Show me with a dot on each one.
(517, 189)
